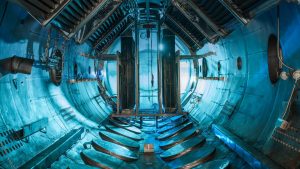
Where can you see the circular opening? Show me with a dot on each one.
(90, 70)
(204, 67)
(239, 63)
(274, 57)
(219, 66)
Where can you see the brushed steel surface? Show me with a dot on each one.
(183, 148)
(123, 132)
(175, 131)
(118, 139)
(178, 139)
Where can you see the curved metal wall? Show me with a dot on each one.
(246, 102)
(28, 98)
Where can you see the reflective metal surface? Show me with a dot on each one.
(183, 148)
(172, 126)
(173, 132)
(181, 137)
(114, 150)
(118, 139)
(123, 132)
(193, 158)
(230, 88)
(126, 127)
(215, 164)
(101, 160)
(81, 166)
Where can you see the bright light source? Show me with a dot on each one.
(161, 47)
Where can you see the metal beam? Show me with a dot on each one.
(220, 31)
(43, 17)
(73, 81)
(208, 37)
(87, 18)
(98, 23)
(149, 115)
(267, 4)
(179, 107)
(137, 60)
(185, 57)
(128, 23)
(159, 61)
(101, 56)
(235, 11)
(185, 31)
(253, 157)
(46, 157)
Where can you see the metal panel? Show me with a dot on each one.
(169, 72)
(126, 72)
(235, 11)
(32, 128)
(254, 158)
(46, 157)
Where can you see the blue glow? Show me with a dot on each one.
(161, 47)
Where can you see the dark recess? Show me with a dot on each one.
(274, 64)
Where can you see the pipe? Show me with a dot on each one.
(15, 65)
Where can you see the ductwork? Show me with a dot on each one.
(15, 65)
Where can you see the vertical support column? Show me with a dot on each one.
(137, 70)
(126, 72)
(159, 67)
(118, 83)
(169, 72)
(179, 109)
(141, 122)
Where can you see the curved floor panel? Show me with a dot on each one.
(114, 150)
(176, 118)
(123, 132)
(168, 128)
(120, 140)
(101, 160)
(175, 131)
(163, 124)
(183, 148)
(81, 166)
(194, 158)
(216, 164)
(178, 139)
(126, 127)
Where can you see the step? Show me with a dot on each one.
(183, 148)
(101, 160)
(123, 132)
(81, 166)
(115, 150)
(194, 158)
(216, 164)
(175, 131)
(178, 139)
(126, 127)
(120, 140)
(167, 128)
